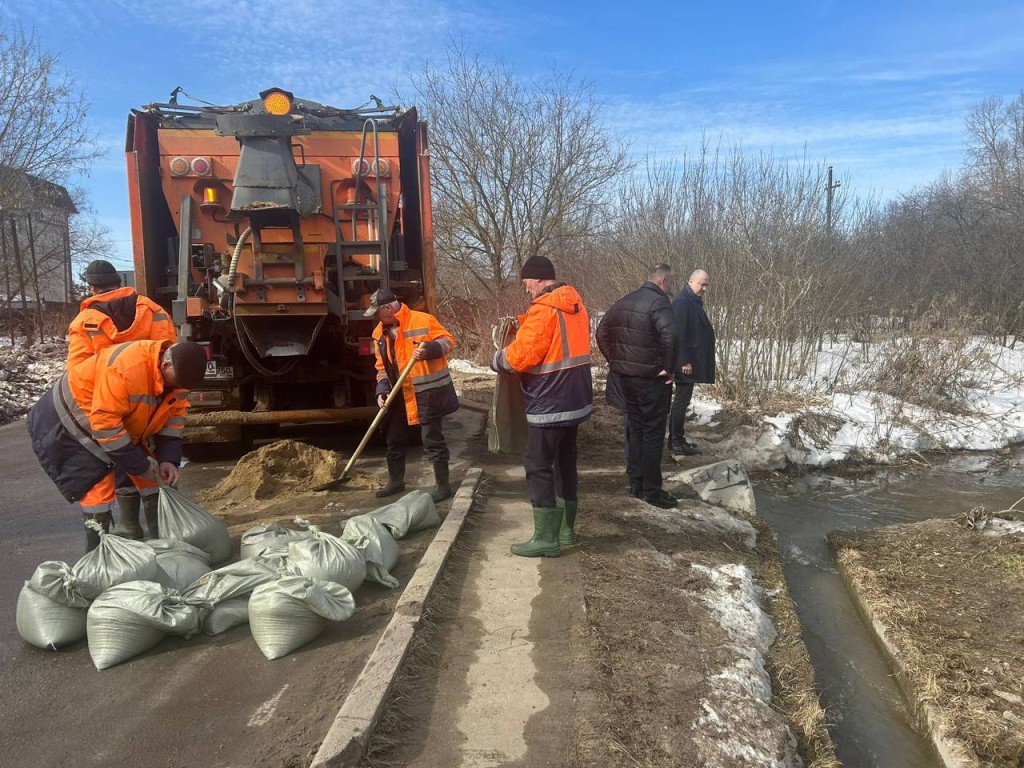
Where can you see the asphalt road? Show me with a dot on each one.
(205, 701)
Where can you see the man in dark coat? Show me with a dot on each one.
(696, 359)
(638, 338)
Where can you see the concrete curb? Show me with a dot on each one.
(951, 752)
(349, 735)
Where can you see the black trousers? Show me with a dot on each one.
(551, 465)
(677, 421)
(647, 404)
(396, 434)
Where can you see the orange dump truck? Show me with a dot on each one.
(263, 227)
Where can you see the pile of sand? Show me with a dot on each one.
(275, 468)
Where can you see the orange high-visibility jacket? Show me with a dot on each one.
(428, 389)
(113, 317)
(551, 354)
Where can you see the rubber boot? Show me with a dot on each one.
(149, 505)
(128, 508)
(92, 537)
(442, 490)
(396, 478)
(567, 531)
(546, 523)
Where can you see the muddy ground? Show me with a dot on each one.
(951, 601)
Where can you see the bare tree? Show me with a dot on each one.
(519, 167)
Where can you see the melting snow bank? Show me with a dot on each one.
(26, 373)
(739, 723)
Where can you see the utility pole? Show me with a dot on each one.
(830, 189)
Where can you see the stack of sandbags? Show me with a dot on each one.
(413, 512)
(259, 537)
(291, 611)
(129, 619)
(51, 607)
(114, 561)
(179, 518)
(326, 557)
(224, 593)
(377, 546)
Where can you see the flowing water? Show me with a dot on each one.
(871, 725)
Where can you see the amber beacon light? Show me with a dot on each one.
(276, 101)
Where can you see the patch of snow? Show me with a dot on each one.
(26, 373)
(465, 366)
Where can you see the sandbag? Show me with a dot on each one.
(226, 615)
(129, 619)
(290, 612)
(377, 546)
(413, 512)
(507, 429)
(260, 537)
(326, 557)
(114, 561)
(178, 563)
(51, 610)
(180, 518)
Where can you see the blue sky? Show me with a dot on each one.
(879, 90)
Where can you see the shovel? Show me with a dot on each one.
(395, 390)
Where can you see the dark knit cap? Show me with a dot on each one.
(189, 361)
(101, 273)
(537, 268)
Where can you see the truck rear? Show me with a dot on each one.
(264, 227)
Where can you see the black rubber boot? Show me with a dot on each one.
(442, 490)
(636, 488)
(396, 478)
(128, 509)
(150, 504)
(92, 536)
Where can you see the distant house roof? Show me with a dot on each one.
(28, 191)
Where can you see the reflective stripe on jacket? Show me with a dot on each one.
(551, 354)
(114, 317)
(428, 389)
(97, 416)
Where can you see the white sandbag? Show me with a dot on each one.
(129, 619)
(178, 563)
(114, 561)
(181, 518)
(377, 546)
(51, 609)
(235, 579)
(413, 512)
(260, 537)
(225, 615)
(323, 556)
(290, 612)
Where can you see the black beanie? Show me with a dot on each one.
(189, 361)
(101, 273)
(537, 268)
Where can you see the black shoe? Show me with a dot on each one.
(636, 489)
(661, 499)
(685, 449)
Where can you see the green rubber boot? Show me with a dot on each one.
(567, 532)
(546, 522)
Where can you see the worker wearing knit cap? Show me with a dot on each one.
(551, 356)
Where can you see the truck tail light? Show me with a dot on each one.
(201, 166)
(365, 346)
(180, 166)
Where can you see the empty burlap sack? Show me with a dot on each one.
(129, 619)
(181, 518)
(323, 556)
(413, 512)
(377, 546)
(259, 537)
(114, 561)
(178, 563)
(51, 607)
(290, 612)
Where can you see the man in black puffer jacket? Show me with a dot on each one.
(638, 338)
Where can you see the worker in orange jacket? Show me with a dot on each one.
(124, 409)
(112, 315)
(551, 355)
(428, 393)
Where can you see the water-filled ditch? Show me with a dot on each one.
(870, 722)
